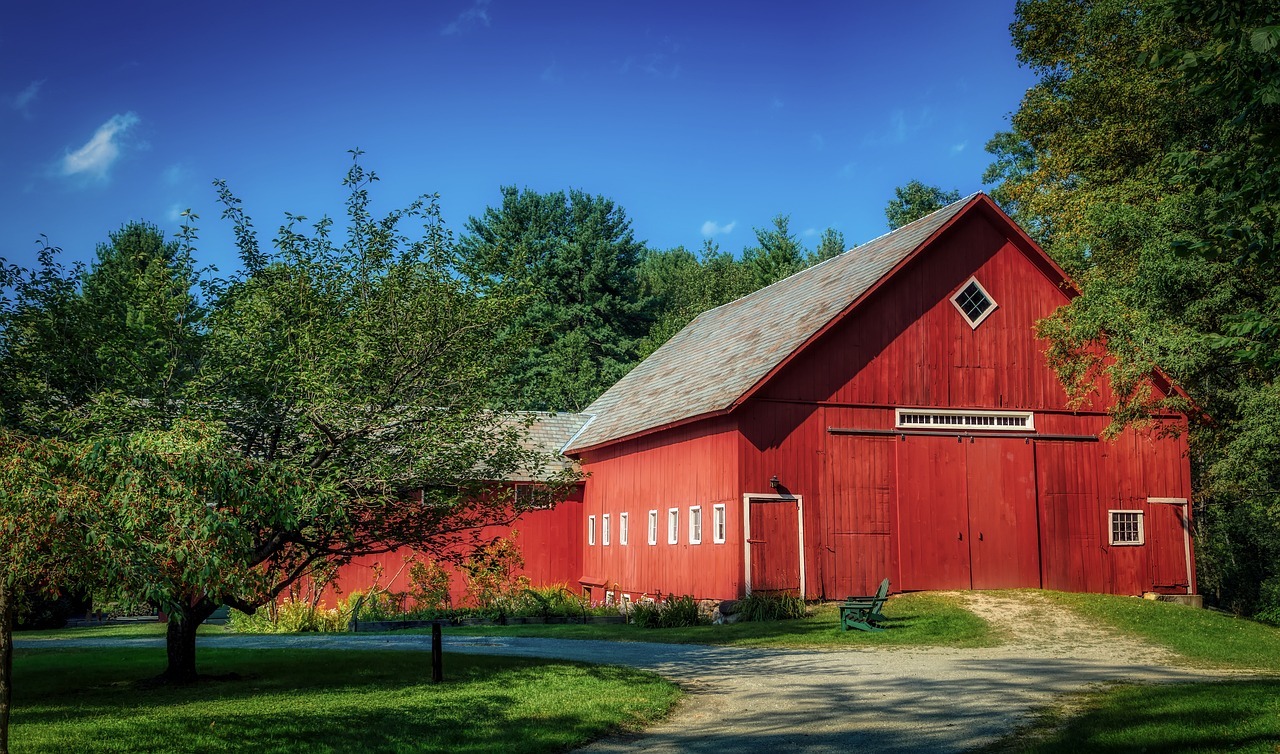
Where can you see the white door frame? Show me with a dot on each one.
(746, 535)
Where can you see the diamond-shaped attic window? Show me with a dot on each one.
(974, 302)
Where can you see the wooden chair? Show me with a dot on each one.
(863, 613)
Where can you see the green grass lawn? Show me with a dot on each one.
(915, 620)
(323, 701)
(1237, 716)
(1205, 637)
(149, 629)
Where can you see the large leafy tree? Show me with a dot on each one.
(43, 516)
(573, 257)
(1125, 159)
(915, 200)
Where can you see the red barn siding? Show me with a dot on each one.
(933, 513)
(678, 468)
(548, 541)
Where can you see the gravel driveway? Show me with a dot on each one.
(882, 700)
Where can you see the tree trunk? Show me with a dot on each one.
(180, 642)
(7, 617)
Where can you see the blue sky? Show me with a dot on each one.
(700, 119)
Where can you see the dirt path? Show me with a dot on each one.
(895, 701)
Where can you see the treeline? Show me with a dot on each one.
(1146, 160)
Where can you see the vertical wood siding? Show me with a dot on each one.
(679, 468)
(933, 513)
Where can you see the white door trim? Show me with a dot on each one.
(746, 535)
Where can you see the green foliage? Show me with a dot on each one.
(289, 616)
(1144, 160)
(830, 244)
(915, 200)
(572, 258)
(493, 577)
(758, 607)
(554, 601)
(429, 584)
(673, 612)
(776, 255)
(327, 700)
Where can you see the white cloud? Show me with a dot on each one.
(958, 148)
(22, 101)
(776, 104)
(175, 213)
(476, 15)
(810, 232)
(97, 156)
(902, 125)
(711, 228)
(174, 174)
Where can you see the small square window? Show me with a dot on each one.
(653, 527)
(591, 530)
(695, 525)
(673, 526)
(718, 526)
(622, 528)
(604, 530)
(974, 302)
(1127, 528)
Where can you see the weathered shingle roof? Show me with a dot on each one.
(724, 352)
(548, 434)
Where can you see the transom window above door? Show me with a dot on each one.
(974, 303)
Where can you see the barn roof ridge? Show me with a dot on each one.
(724, 352)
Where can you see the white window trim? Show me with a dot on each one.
(653, 527)
(719, 523)
(673, 526)
(899, 423)
(1142, 528)
(604, 530)
(973, 323)
(622, 528)
(695, 532)
(591, 530)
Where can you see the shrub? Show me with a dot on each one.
(674, 612)
(763, 607)
(492, 573)
(289, 616)
(1269, 602)
(429, 585)
(557, 600)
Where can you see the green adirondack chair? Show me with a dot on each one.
(863, 613)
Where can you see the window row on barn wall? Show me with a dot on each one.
(603, 533)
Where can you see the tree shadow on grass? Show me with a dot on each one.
(333, 701)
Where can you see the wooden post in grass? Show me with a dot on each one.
(437, 655)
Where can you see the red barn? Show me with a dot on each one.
(888, 412)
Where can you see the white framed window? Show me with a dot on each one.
(719, 527)
(973, 302)
(604, 530)
(653, 527)
(695, 525)
(1127, 527)
(591, 530)
(622, 528)
(673, 526)
(947, 418)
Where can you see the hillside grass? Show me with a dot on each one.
(284, 700)
(920, 619)
(1203, 637)
(1241, 715)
